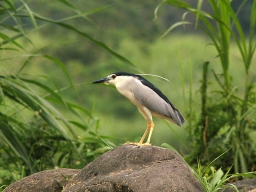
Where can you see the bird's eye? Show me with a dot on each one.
(113, 76)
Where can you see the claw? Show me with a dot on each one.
(138, 144)
(146, 144)
(130, 143)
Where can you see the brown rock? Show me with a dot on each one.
(130, 168)
(44, 181)
(247, 185)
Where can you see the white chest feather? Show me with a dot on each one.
(125, 87)
(128, 94)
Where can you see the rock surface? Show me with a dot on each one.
(247, 185)
(130, 168)
(127, 168)
(44, 181)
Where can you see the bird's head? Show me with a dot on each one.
(115, 78)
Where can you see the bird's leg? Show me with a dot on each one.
(150, 128)
(144, 136)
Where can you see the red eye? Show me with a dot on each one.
(113, 76)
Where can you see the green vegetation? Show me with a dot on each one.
(226, 120)
(52, 116)
(35, 134)
(214, 180)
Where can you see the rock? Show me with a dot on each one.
(247, 185)
(130, 168)
(44, 181)
(127, 168)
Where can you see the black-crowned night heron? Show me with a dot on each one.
(146, 97)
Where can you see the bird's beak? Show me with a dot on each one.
(103, 80)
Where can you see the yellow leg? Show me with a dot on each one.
(144, 136)
(151, 128)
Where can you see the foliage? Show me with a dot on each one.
(214, 180)
(36, 136)
(41, 129)
(225, 121)
(35, 132)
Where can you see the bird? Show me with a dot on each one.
(149, 100)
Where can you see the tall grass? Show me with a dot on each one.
(213, 180)
(225, 121)
(35, 133)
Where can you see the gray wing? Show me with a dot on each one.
(156, 104)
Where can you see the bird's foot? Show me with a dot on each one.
(146, 144)
(138, 144)
(131, 143)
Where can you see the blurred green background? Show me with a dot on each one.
(132, 30)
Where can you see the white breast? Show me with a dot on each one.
(124, 86)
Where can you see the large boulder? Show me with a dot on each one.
(44, 181)
(126, 168)
(130, 168)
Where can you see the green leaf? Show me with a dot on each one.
(216, 178)
(27, 61)
(177, 3)
(177, 24)
(243, 162)
(80, 125)
(31, 15)
(166, 145)
(62, 66)
(67, 3)
(8, 134)
(69, 27)
(11, 40)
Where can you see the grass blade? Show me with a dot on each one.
(69, 27)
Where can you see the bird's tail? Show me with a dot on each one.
(179, 119)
